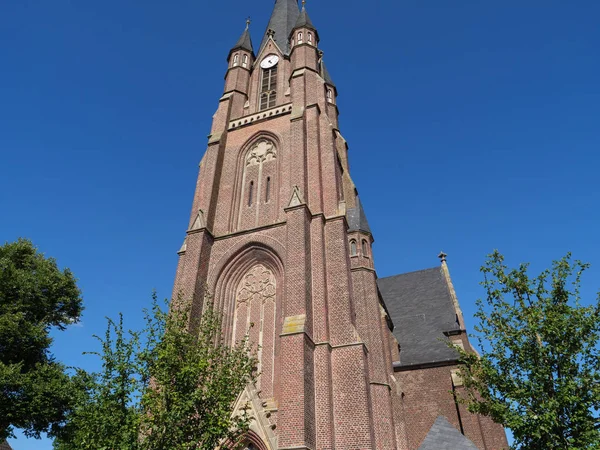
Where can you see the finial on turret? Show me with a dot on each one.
(248, 21)
(303, 4)
(442, 257)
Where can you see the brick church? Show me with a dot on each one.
(279, 238)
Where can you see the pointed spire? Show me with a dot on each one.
(245, 41)
(357, 219)
(325, 74)
(303, 19)
(284, 17)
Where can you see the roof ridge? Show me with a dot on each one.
(410, 273)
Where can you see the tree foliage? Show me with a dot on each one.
(35, 297)
(539, 373)
(164, 387)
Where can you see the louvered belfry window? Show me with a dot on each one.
(268, 91)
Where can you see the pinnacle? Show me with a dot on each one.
(245, 41)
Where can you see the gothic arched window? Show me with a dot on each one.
(236, 59)
(329, 95)
(365, 248)
(245, 61)
(353, 251)
(256, 299)
(310, 38)
(300, 37)
(268, 91)
(258, 194)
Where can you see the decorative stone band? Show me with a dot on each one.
(263, 115)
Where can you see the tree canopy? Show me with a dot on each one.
(163, 387)
(539, 371)
(35, 297)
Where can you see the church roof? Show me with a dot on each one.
(443, 436)
(283, 19)
(422, 310)
(357, 219)
(244, 42)
(325, 74)
(4, 446)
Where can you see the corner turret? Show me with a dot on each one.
(303, 41)
(237, 79)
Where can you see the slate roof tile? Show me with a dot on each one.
(357, 219)
(443, 436)
(283, 19)
(421, 309)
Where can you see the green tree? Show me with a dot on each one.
(539, 372)
(35, 298)
(164, 387)
(107, 413)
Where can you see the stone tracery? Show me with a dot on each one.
(255, 316)
(263, 150)
(257, 285)
(259, 181)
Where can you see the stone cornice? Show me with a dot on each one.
(260, 116)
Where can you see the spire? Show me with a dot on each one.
(325, 74)
(357, 219)
(245, 41)
(284, 17)
(303, 19)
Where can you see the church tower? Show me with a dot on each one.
(279, 238)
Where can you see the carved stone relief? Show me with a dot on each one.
(263, 150)
(258, 285)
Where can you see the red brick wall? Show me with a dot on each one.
(328, 383)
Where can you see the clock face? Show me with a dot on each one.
(269, 61)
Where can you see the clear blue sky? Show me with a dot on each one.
(472, 126)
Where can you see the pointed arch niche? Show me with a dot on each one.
(256, 202)
(249, 292)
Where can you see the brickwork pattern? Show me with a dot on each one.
(324, 340)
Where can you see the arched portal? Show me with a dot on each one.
(253, 442)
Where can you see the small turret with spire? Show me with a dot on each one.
(241, 53)
(303, 41)
(237, 80)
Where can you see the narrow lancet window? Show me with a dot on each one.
(310, 38)
(353, 248)
(300, 37)
(329, 95)
(250, 193)
(365, 248)
(245, 61)
(236, 60)
(268, 190)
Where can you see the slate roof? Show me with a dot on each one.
(421, 309)
(244, 42)
(283, 19)
(325, 74)
(443, 436)
(4, 446)
(304, 20)
(357, 219)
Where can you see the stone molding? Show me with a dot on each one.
(260, 116)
